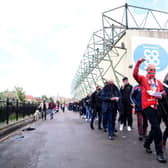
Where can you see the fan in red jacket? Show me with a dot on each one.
(152, 90)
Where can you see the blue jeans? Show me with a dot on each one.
(88, 112)
(51, 113)
(104, 120)
(108, 121)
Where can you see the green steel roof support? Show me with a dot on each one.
(126, 15)
(111, 63)
(105, 40)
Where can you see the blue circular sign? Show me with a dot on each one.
(153, 54)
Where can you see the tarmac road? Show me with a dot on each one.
(68, 142)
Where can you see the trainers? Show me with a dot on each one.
(140, 138)
(91, 126)
(115, 131)
(110, 138)
(105, 130)
(148, 149)
(129, 128)
(161, 158)
(121, 127)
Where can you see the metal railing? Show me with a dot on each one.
(13, 110)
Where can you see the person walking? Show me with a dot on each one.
(110, 96)
(43, 109)
(126, 105)
(87, 106)
(152, 90)
(96, 105)
(51, 108)
(142, 122)
(63, 107)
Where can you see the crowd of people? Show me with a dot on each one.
(148, 99)
(50, 106)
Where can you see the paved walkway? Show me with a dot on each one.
(68, 142)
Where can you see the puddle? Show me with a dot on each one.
(29, 129)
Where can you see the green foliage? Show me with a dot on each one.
(8, 94)
(20, 92)
(44, 96)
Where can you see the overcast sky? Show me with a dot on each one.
(42, 41)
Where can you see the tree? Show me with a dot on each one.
(21, 93)
(44, 96)
(8, 94)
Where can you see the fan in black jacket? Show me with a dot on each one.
(87, 107)
(96, 104)
(126, 107)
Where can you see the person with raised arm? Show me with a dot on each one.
(152, 90)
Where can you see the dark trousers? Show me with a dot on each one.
(104, 120)
(109, 118)
(108, 121)
(43, 114)
(114, 118)
(142, 123)
(126, 114)
(155, 132)
(97, 110)
(82, 111)
(163, 109)
(164, 117)
(165, 134)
